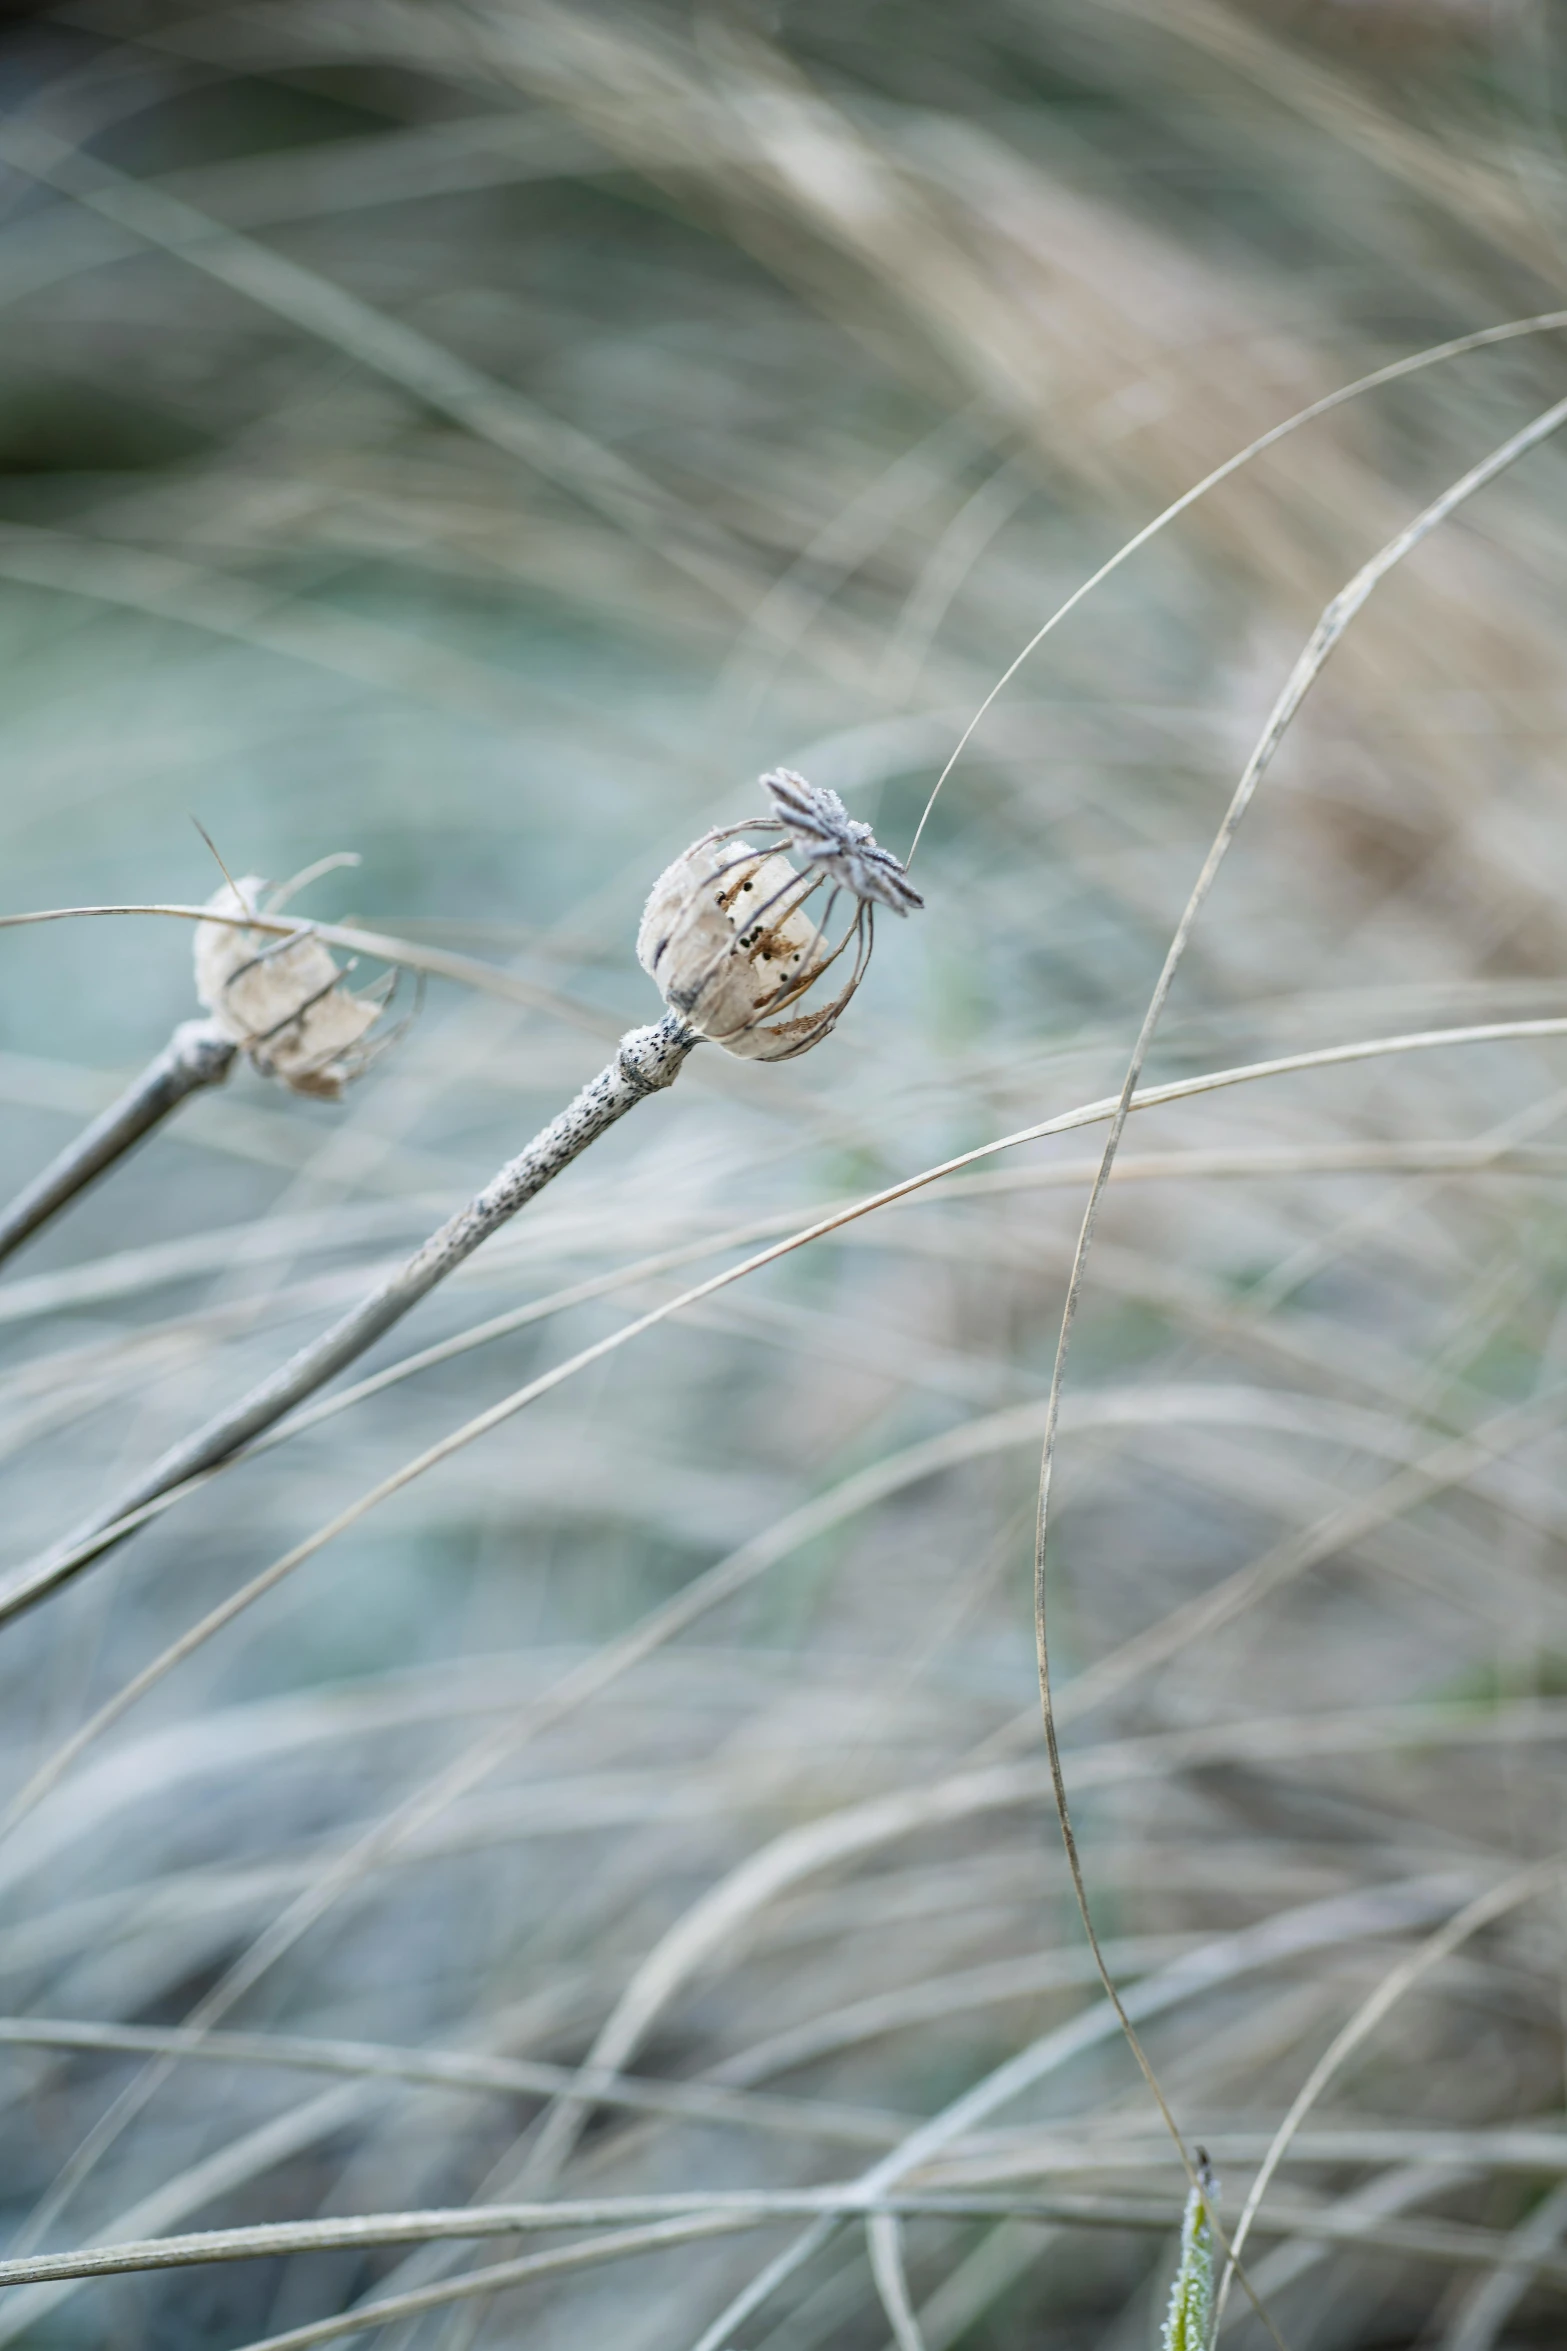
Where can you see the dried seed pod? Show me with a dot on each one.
(282, 998)
(731, 936)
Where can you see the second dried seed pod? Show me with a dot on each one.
(282, 998)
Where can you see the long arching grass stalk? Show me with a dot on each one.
(445, 963)
(1544, 323)
(1336, 619)
(714, 2207)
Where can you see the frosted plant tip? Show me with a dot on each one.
(1189, 2321)
(841, 846)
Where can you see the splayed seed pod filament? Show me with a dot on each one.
(733, 936)
(843, 847)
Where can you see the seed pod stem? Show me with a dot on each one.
(197, 1055)
(646, 1060)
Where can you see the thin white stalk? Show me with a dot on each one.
(414, 2301)
(470, 2223)
(884, 2242)
(714, 2207)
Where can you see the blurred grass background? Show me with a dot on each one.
(482, 437)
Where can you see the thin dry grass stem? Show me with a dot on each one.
(1522, 1887)
(1269, 1741)
(726, 2097)
(716, 1585)
(1544, 323)
(1335, 620)
(800, 1854)
(696, 2210)
(385, 1838)
(1298, 1267)
(931, 1998)
(744, 2207)
(468, 971)
(126, 1273)
(1434, 1158)
(389, 2309)
(885, 2241)
(197, 1055)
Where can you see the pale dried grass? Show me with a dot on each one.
(555, 416)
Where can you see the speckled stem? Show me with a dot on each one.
(645, 1061)
(197, 1055)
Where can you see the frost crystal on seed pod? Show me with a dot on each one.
(731, 936)
(282, 998)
